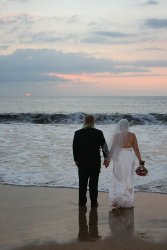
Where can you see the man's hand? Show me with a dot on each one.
(106, 163)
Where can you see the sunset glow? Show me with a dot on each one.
(28, 94)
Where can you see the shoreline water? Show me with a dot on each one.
(72, 188)
(48, 218)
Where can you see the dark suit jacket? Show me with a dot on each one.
(87, 143)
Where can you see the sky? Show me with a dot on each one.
(90, 47)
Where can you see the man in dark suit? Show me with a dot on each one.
(87, 143)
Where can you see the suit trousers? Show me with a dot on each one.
(88, 176)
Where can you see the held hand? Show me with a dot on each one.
(106, 163)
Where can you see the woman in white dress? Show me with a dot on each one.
(124, 145)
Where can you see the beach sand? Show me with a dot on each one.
(45, 218)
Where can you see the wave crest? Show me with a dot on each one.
(77, 118)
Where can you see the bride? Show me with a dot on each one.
(124, 145)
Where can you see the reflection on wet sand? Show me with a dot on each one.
(122, 237)
(121, 222)
(88, 231)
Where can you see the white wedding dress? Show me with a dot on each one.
(122, 184)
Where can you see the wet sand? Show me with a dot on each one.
(48, 218)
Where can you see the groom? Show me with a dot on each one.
(87, 143)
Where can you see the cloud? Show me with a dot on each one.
(4, 46)
(24, 28)
(47, 71)
(67, 20)
(47, 65)
(151, 2)
(21, 19)
(145, 64)
(41, 65)
(118, 38)
(5, 3)
(156, 23)
(147, 3)
(24, 19)
(154, 49)
(20, 1)
(150, 63)
(108, 37)
(111, 34)
(44, 37)
(26, 66)
(36, 29)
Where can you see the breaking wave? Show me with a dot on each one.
(76, 118)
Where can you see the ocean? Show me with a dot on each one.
(36, 135)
